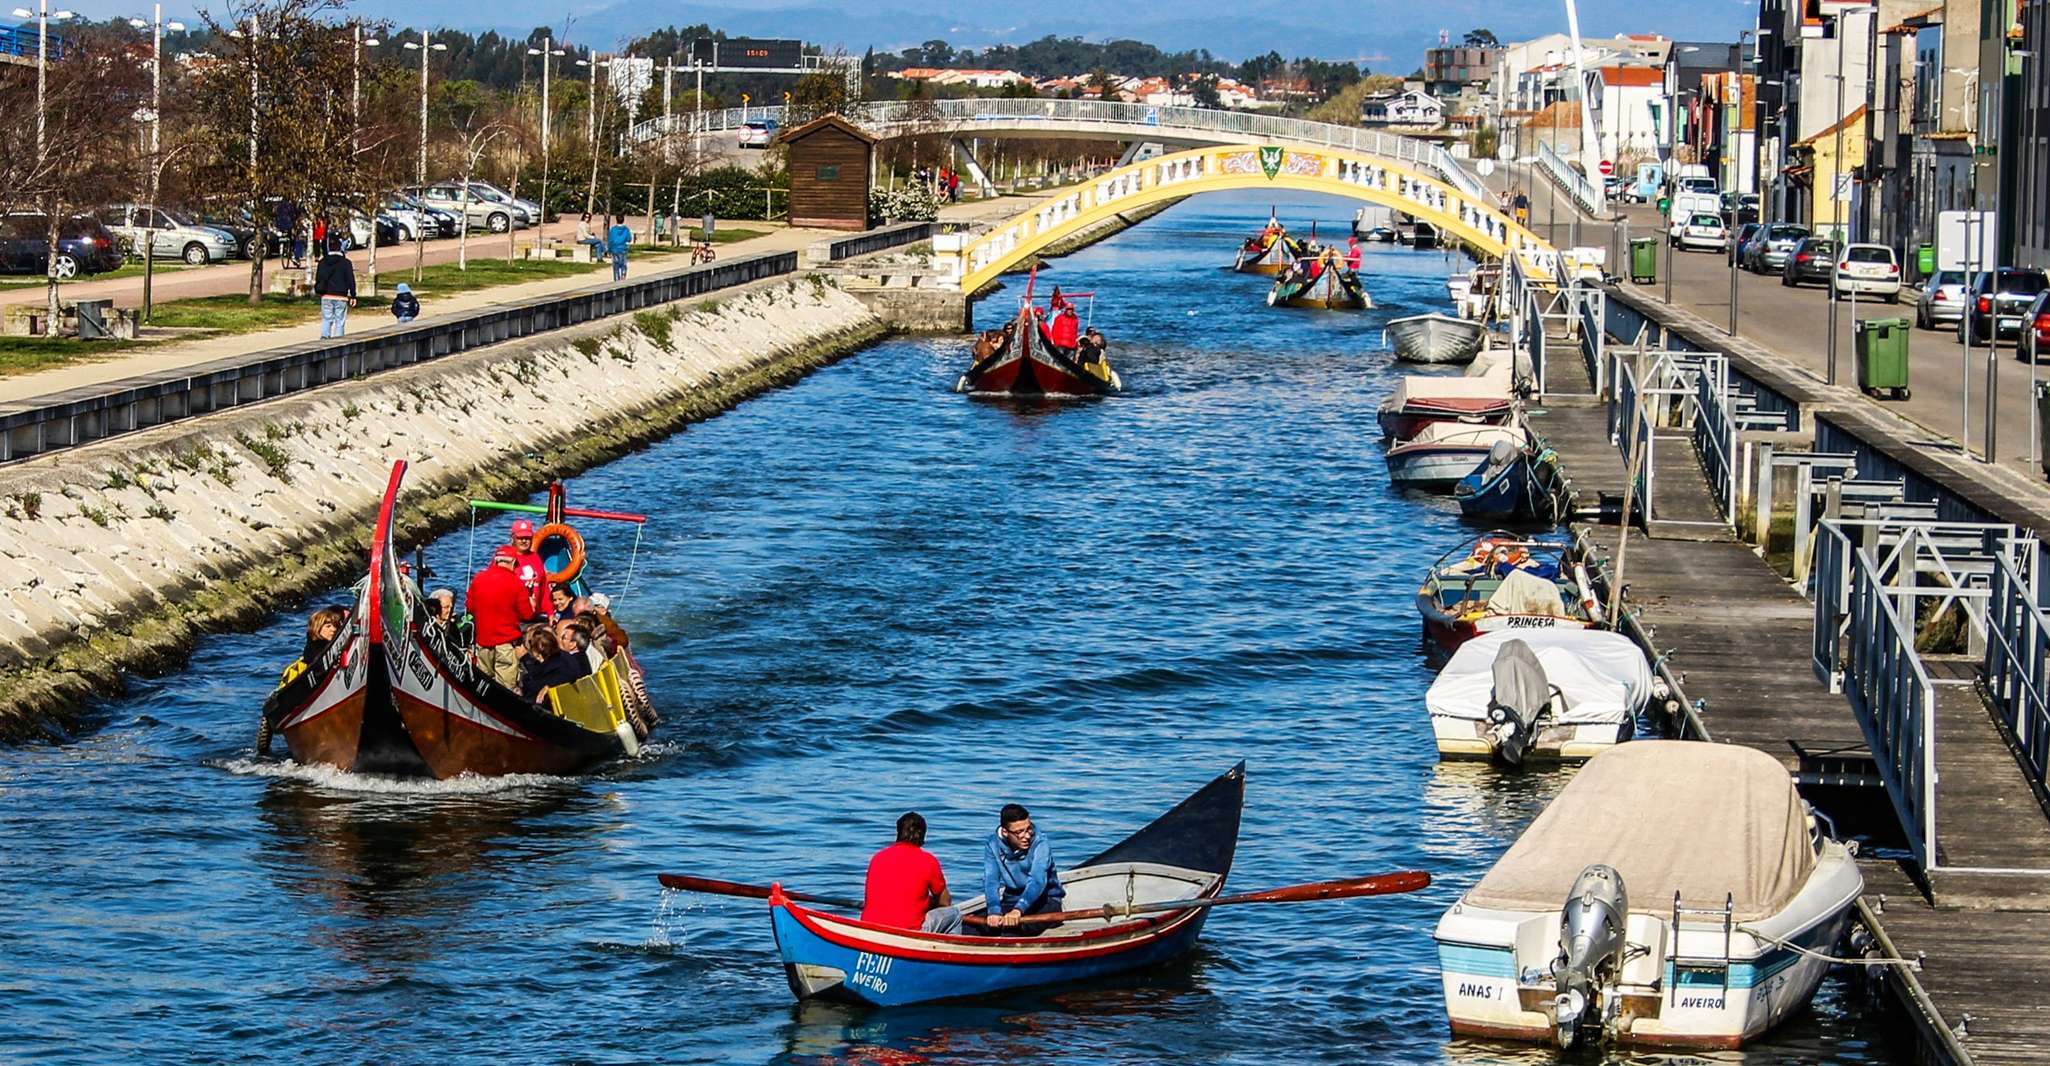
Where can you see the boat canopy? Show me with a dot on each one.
(1704, 820)
(1440, 387)
(1463, 435)
(1601, 676)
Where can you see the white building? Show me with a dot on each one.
(1632, 111)
(1412, 107)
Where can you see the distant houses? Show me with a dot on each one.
(1179, 91)
(1410, 107)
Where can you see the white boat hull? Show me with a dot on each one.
(1434, 468)
(1495, 966)
(1435, 338)
(1467, 738)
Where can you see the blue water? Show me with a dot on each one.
(861, 594)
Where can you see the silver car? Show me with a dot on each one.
(527, 208)
(176, 236)
(1767, 253)
(1942, 299)
(482, 209)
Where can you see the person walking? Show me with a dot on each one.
(334, 281)
(617, 240)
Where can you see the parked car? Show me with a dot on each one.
(758, 133)
(1739, 208)
(481, 210)
(177, 236)
(432, 221)
(1942, 299)
(84, 246)
(1704, 232)
(1769, 253)
(1746, 233)
(1998, 301)
(1813, 259)
(1867, 270)
(388, 230)
(529, 208)
(1617, 188)
(2037, 335)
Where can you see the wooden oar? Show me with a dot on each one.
(1377, 885)
(687, 883)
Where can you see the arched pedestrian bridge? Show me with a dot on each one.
(972, 261)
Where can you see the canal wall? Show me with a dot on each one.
(122, 553)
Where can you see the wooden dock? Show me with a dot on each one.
(1739, 638)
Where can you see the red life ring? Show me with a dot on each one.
(569, 536)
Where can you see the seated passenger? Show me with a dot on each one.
(1018, 872)
(321, 630)
(906, 887)
(546, 665)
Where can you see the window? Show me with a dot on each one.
(828, 172)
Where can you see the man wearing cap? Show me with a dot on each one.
(499, 605)
(532, 572)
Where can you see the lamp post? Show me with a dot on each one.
(2032, 94)
(1738, 217)
(43, 16)
(425, 46)
(157, 27)
(591, 131)
(547, 51)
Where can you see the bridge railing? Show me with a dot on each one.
(21, 41)
(1573, 182)
(2017, 665)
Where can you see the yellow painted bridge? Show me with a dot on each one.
(973, 260)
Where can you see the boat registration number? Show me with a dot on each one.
(871, 971)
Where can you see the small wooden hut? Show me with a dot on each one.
(829, 159)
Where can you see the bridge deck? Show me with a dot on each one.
(1739, 635)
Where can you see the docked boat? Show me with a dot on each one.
(1440, 453)
(396, 691)
(1514, 484)
(1022, 360)
(1518, 696)
(1434, 338)
(1270, 251)
(1184, 854)
(1330, 287)
(1483, 299)
(1417, 234)
(1700, 927)
(1501, 582)
(1419, 401)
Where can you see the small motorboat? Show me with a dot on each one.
(396, 692)
(1517, 696)
(1499, 582)
(1483, 299)
(1270, 251)
(1417, 234)
(1702, 926)
(1184, 854)
(1379, 235)
(1518, 484)
(1440, 453)
(1434, 338)
(1419, 401)
(1022, 360)
(1322, 284)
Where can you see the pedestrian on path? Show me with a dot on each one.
(617, 240)
(334, 281)
(405, 306)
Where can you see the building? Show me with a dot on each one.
(1724, 115)
(1449, 69)
(830, 161)
(1411, 107)
(1831, 178)
(1631, 108)
(974, 79)
(1687, 64)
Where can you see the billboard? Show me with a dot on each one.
(757, 53)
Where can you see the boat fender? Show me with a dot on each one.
(624, 730)
(569, 536)
(1589, 602)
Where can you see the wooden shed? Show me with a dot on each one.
(829, 160)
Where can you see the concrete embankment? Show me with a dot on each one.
(121, 554)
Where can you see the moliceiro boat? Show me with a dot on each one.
(1184, 854)
(1269, 251)
(396, 691)
(1435, 338)
(1024, 360)
(1701, 927)
(1516, 696)
(1329, 287)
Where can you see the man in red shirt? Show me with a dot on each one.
(905, 886)
(531, 570)
(499, 607)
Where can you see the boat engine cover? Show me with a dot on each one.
(1520, 694)
(1591, 945)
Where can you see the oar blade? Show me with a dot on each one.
(1387, 884)
(712, 886)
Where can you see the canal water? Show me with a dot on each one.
(858, 595)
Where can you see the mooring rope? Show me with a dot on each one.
(1911, 964)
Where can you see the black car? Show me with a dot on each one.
(2000, 297)
(1745, 235)
(1814, 259)
(83, 246)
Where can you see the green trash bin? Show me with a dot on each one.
(1644, 260)
(1882, 356)
(1925, 260)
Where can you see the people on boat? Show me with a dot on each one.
(601, 608)
(562, 599)
(1065, 329)
(1018, 872)
(500, 606)
(1352, 254)
(322, 627)
(906, 888)
(579, 639)
(1091, 348)
(548, 664)
(532, 571)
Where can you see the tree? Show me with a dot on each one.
(1205, 92)
(1480, 38)
(823, 93)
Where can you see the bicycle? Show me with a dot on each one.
(702, 252)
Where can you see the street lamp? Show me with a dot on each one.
(420, 247)
(547, 51)
(43, 16)
(157, 27)
(595, 63)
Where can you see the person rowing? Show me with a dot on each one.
(1018, 872)
(906, 887)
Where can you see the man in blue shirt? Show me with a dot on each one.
(1018, 873)
(616, 241)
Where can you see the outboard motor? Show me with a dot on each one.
(1591, 949)
(1500, 455)
(1521, 692)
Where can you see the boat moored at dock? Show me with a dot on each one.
(1419, 401)
(1440, 453)
(1435, 338)
(1702, 926)
(1542, 694)
(1502, 582)
(1514, 484)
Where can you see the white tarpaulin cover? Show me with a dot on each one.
(1462, 435)
(1726, 821)
(1522, 592)
(1602, 675)
(1426, 387)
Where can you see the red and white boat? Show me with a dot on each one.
(1421, 400)
(1029, 364)
(396, 693)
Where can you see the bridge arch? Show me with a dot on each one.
(977, 259)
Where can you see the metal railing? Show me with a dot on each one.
(1575, 184)
(2017, 665)
(1715, 432)
(1594, 338)
(1890, 695)
(1630, 430)
(21, 41)
(964, 116)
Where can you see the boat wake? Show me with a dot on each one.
(327, 777)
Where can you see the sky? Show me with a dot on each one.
(1387, 34)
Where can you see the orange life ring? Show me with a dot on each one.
(574, 539)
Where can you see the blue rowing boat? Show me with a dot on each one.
(1512, 483)
(1184, 854)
